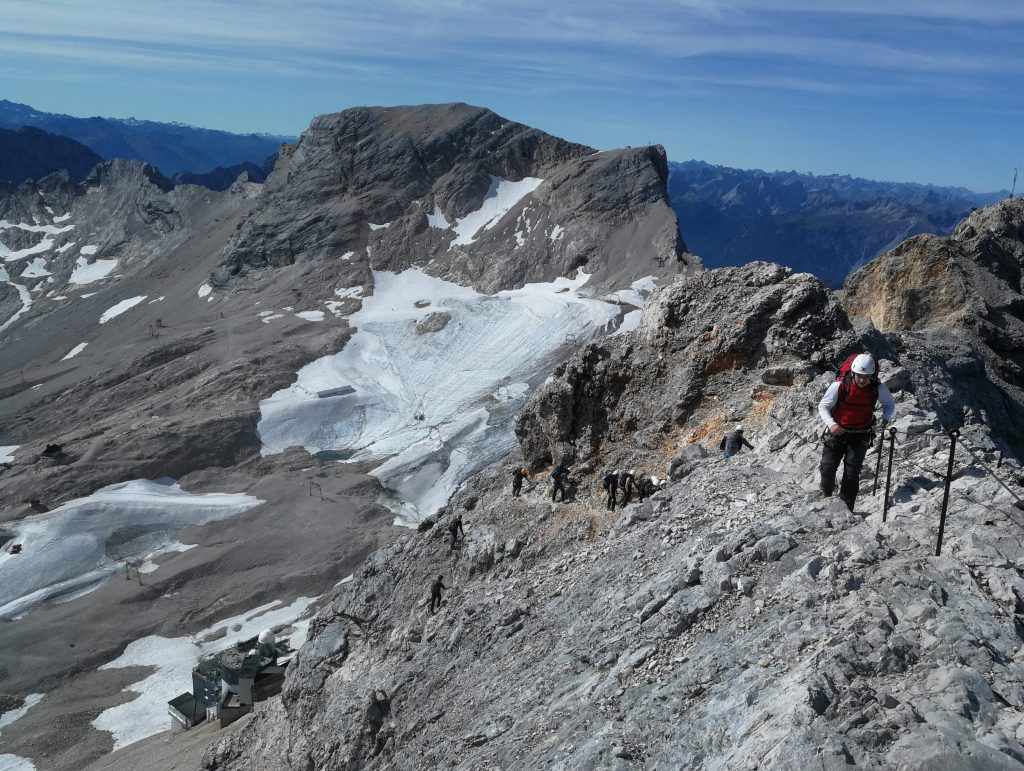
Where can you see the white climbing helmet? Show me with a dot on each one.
(739, 428)
(863, 364)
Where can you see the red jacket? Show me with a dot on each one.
(857, 409)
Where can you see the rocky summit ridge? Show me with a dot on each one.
(388, 188)
(735, 619)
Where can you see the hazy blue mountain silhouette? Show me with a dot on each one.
(825, 225)
(171, 147)
(30, 153)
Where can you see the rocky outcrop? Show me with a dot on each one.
(968, 285)
(385, 188)
(697, 337)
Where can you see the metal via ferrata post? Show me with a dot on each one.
(888, 473)
(945, 495)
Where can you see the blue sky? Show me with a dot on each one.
(909, 90)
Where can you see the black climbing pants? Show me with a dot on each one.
(849, 449)
(558, 486)
(610, 505)
(435, 601)
(517, 485)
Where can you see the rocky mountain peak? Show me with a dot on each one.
(931, 282)
(462, 192)
(129, 173)
(968, 284)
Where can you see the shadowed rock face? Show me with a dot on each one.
(355, 171)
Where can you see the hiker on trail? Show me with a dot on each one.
(610, 483)
(435, 593)
(848, 410)
(559, 478)
(626, 480)
(455, 528)
(733, 442)
(517, 481)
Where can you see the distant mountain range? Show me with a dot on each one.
(825, 225)
(30, 153)
(171, 147)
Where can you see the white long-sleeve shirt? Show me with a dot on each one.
(831, 399)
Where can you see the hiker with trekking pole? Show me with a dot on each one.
(848, 411)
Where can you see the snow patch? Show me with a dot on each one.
(7, 453)
(11, 256)
(630, 322)
(75, 351)
(89, 249)
(377, 227)
(116, 310)
(556, 233)
(79, 545)
(86, 272)
(23, 294)
(348, 256)
(177, 547)
(10, 762)
(334, 306)
(271, 317)
(437, 219)
(68, 245)
(11, 715)
(36, 269)
(352, 291)
(311, 315)
(50, 230)
(62, 217)
(205, 290)
(501, 197)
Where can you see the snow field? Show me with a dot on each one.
(433, 404)
(7, 453)
(81, 544)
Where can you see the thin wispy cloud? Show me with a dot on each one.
(800, 55)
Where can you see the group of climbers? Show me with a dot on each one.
(847, 410)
